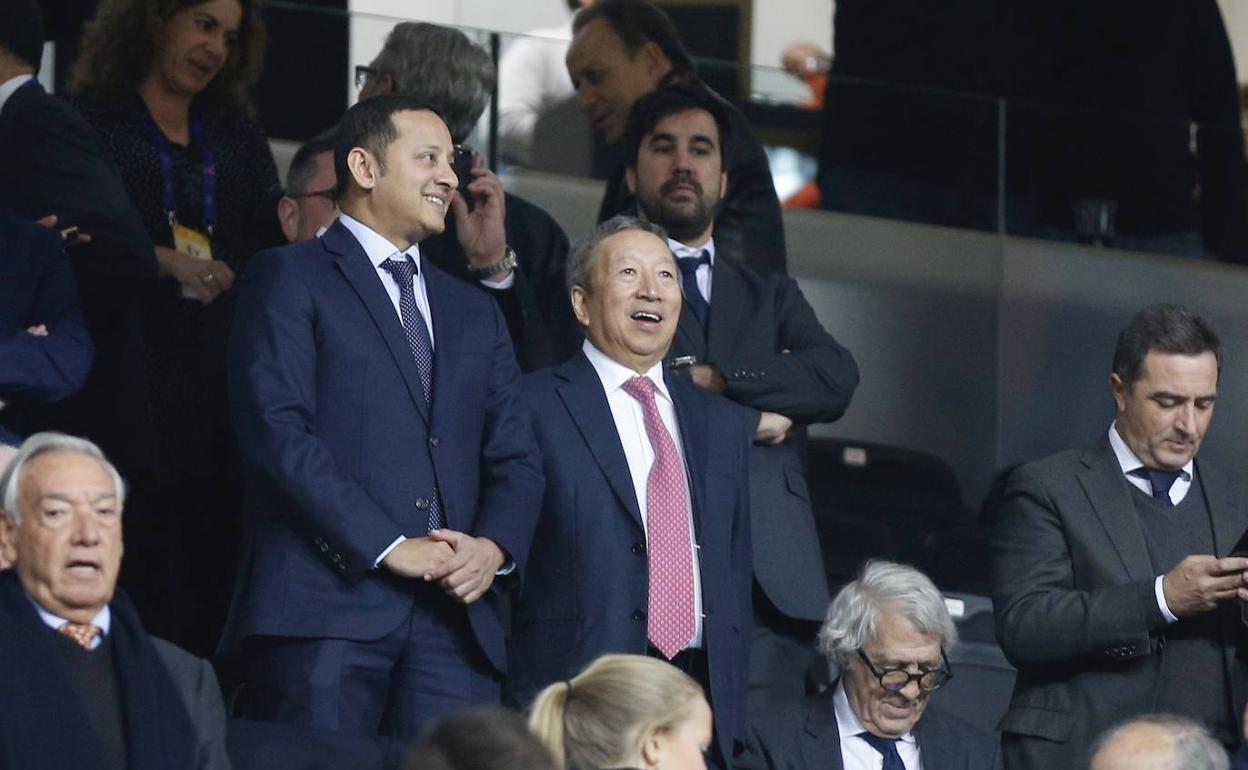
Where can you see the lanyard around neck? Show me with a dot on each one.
(208, 170)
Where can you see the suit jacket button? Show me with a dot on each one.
(433, 441)
(422, 503)
(638, 548)
(639, 615)
(324, 547)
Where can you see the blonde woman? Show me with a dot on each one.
(625, 711)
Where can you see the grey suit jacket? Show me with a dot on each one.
(803, 735)
(775, 356)
(1076, 613)
(197, 684)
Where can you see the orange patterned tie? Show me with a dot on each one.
(82, 633)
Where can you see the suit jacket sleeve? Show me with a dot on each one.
(1043, 617)
(511, 476)
(809, 379)
(273, 398)
(201, 694)
(55, 366)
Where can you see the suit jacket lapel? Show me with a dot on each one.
(820, 738)
(586, 403)
(362, 276)
(448, 327)
(1224, 513)
(694, 437)
(727, 306)
(689, 335)
(1107, 491)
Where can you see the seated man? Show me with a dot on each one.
(309, 206)
(888, 631)
(496, 241)
(1159, 742)
(84, 685)
(643, 543)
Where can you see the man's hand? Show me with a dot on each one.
(38, 330)
(470, 572)
(481, 232)
(708, 376)
(69, 235)
(207, 278)
(419, 557)
(773, 429)
(1200, 581)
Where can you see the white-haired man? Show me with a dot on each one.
(84, 685)
(888, 632)
(1159, 742)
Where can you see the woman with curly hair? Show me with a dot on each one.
(166, 83)
(625, 711)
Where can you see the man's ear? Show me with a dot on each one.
(578, 305)
(630, 178)
(723, 184)
(8, 541)
(656, 62)
(288, 217)
(363, 167)
(1119, 390)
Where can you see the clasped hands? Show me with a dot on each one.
(462, 564)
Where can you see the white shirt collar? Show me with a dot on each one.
(103, 619)
(1127, 459)
(614, 374)
(375, 245)
(847, 723)
(10, 86)
(682, 250)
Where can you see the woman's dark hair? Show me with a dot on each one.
(120, 46)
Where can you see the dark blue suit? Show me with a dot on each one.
(586, 587)
(342, 452)
(37, 287)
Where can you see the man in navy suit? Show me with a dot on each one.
(643, 543)
(395, 487)
(755, 339)
(45, 350)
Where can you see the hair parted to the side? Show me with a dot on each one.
(369, 125)
(439, 66)
(120, 45)
(638, 22)
(483, 738)
(883, 586)
(1165, 329)
(303, 165)
(47, 443)
(580, 263)
(603, 715)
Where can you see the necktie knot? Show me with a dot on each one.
(1160, 480)
(887, 748)
(82, 633)
(402, 270)
(689, 263)
(640, 388)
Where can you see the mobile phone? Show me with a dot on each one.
(462, 160)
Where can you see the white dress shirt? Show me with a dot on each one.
(630, 426)
(10, 86)
(703, 276)
(1129, 462)
(856, 753)
(103, 620)
(379, 250)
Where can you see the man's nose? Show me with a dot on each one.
(86, 527)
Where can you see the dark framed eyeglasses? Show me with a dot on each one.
(328, 194)
(897, 679)
(363, 73)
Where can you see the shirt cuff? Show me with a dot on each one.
(506, 569)
(386, 552)
(1161, 601)
(506, 283)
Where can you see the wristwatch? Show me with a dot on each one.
(508, 262)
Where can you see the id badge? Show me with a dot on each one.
(192, 243)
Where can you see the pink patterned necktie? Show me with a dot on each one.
(82, 633)
(670, 625)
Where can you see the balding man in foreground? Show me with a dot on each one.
(1159, 742)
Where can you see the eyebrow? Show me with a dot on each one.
(67, 498)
